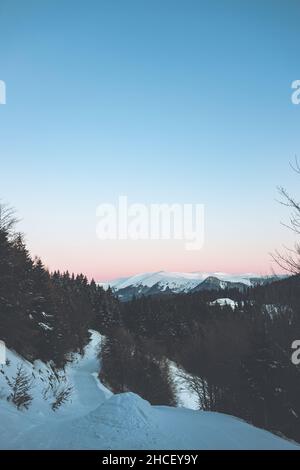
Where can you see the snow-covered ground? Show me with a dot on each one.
(186, 398)
(94, 418)
(223, 302)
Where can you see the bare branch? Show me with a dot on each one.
(290, 260)
(8, 219)
(296, 165)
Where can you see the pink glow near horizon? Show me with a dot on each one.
(114, 260)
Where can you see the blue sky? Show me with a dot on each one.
(164, 101)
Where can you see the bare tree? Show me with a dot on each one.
(290, 260)
(198, 386)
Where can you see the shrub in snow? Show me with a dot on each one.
(61, 396)
(20, 386)
(57, 391)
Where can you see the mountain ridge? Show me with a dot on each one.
(164, 282)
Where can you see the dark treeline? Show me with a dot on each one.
(46, 316)
(237, 361)
(281, 292)
(135, 363)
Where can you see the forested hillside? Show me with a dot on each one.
(46, 315)
(236, 360)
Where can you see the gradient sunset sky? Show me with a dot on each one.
(165, 101)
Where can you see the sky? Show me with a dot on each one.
(164, 101)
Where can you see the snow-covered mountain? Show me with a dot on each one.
(163, 282)
(94, 418)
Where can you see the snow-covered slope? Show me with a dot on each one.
(179, 281)
(96, 419)
(128, 422)
(174, 282)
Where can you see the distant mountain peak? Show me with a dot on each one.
(164, 282)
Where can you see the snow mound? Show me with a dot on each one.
(126, 410)
(223, 302)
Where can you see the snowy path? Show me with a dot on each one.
(96, 419)
(89, 393)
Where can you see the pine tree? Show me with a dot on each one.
(20, 385)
